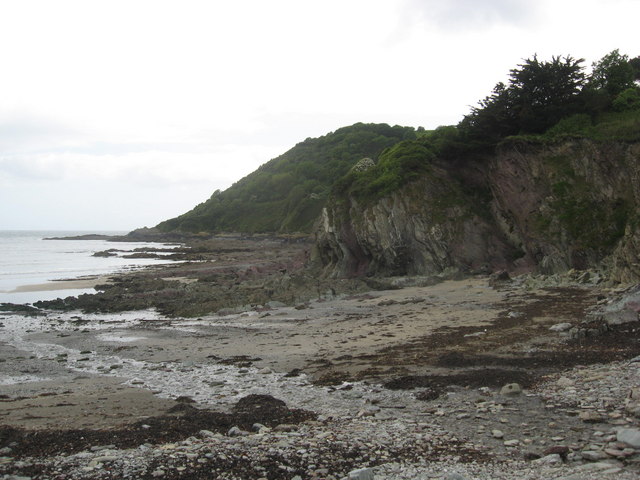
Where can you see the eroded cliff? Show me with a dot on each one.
(549, 207)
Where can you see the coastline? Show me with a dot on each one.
(64, 284)
(409, 376)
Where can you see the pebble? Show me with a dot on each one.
(511, 389)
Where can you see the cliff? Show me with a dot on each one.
(548, 206)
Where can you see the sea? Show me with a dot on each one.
(27, 259)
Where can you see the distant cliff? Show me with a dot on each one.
(532, 204)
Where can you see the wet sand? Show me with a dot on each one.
(95, 365)
(68, 284)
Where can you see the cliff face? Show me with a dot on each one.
(551, 208)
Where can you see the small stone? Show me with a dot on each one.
(497, 434)
(361, 474)
(614, 452)
(560, 327)
(561, 450)
(593, 455)
(455, 476)
(589, 416)
(157, 473)
(236, 432)
(552, 459)
(511, 389)
(511, 443)
(565, 382)
(285, 427)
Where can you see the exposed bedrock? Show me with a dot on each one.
(548, 208)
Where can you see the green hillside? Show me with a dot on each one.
(287, 193)
(542, 101)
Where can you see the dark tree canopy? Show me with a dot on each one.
(544, 92)
(538, 95)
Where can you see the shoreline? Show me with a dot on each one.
(64, 284)
(406, 380)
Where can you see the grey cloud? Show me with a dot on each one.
(470, 14)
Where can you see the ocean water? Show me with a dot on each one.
(27, 259)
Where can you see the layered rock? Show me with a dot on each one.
(554, 207)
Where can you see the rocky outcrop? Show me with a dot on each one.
(549, 208)
(426, 228)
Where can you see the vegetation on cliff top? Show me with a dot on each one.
(287, 193)
(543, 101)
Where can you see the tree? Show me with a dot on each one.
(613, 73)
(492, 119)
(635, 64)
(538, 95)
(542, 93)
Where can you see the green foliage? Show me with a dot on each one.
(556, 97)
(397, 166)
(287, 193)
(588, 221)
(538, 95)
(612, 73)
(542, 93)
(628, 99)
(579, 124)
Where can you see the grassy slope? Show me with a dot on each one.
(287, 193)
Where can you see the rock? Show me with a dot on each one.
(561, 327)
(552, 459)
(497, 434)
(455, 476)
(590, 416)
(511, 443)
(561, 450)
(593, 455)
(285, 427)
(629, 436)
(511, 389)
(614, 452)
(236, 432)
(256, 427)
(565, 382)
(361, 474)
(158, 473)
(368, 412)
(499, 277)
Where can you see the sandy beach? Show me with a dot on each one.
(67, 284)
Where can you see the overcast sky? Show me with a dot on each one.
(120, 114)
